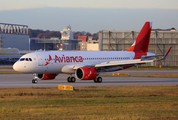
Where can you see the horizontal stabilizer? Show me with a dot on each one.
(166, 54)
(154, 56)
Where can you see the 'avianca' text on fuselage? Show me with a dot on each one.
(65, 59)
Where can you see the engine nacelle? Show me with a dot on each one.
(47, 76)
(86, 73)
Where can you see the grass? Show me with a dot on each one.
(137, 103)
(153, 68)
(157, 75)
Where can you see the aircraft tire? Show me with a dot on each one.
(95, 80)
(69, 79)
(73, 79)
(34, 81)
(99, 80)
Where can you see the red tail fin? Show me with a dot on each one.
(142, 42)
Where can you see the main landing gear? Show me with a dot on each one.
(98, 80)
(35, 80)
(71, 79)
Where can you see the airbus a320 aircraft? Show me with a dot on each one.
(86, 65)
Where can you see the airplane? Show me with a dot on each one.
(87, 65)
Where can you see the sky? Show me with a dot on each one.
(90, 15)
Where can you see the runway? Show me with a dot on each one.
(25, 81)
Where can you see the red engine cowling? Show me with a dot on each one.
(86, 73)
(47, 76)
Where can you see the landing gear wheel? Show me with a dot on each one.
(99, 79)
(69, 79)
(34, 81)
(95, 80)
(73, 79)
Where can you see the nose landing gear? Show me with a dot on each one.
(35, 80)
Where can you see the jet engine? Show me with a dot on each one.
(86, 73)
(47, 76)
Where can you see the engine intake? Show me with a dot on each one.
(47, 76)
(86, 73)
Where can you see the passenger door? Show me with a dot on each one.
(40, 60)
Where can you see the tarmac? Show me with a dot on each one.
(25, 80)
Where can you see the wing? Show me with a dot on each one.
(114, 65)
(122, 63)
(119, 65)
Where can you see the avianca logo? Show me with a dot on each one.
(50, 58)
(89, 74)
(65, 59)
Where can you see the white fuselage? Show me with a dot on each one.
(54, 62)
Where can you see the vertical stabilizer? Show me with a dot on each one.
(142, 41)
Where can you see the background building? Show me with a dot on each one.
(67, 34)
(90, 37)
(44, 44)
(91, 45)
(84, 38)
(67, 40)
(160, 41)
(53, 44)
(65, 43)
(83, 46)
(9, 56)
(14, 36)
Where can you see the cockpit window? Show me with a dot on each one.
(25, 59)
(22, 59)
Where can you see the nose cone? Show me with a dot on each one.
(16, 67)
(22, 67)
